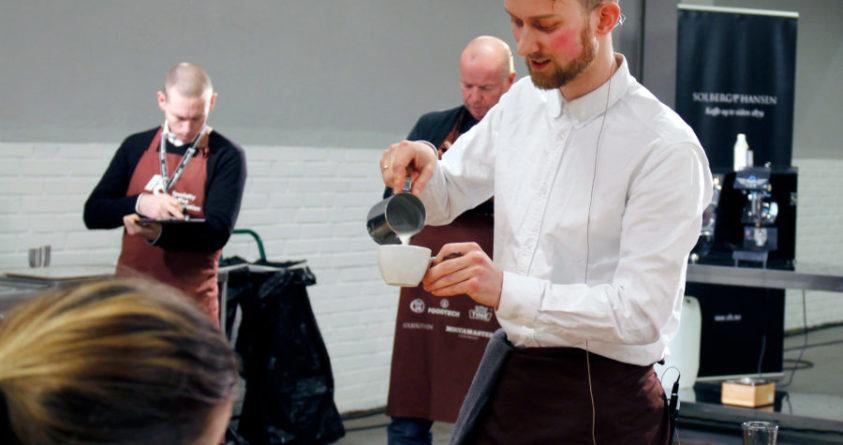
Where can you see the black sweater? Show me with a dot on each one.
(226, 178)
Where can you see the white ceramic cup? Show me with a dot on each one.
(403, 265)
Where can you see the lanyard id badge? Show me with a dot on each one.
(167, 183)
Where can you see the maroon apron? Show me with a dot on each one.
(195, 273)
(544, 396)
(439, 341)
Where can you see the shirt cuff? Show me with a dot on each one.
(152, 242)
(521, 298)
(137, 204)
(429, 144)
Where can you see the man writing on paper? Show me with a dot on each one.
(175, 172)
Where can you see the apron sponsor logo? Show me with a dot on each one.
(445, 312)
(444, 303)
(186, 199)
(725, 318)
(155, 184)
(468, 332)
(417, 305)
(480, 312)
(423, 326)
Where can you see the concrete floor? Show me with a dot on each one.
(816, 389)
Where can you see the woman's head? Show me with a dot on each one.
(118, 362)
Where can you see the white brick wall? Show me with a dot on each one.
(819, 238)
(42, 190)
(311, 203)
(305, 203)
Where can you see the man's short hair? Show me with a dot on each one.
(591, 4)
(189, 80)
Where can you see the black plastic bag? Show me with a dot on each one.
(289, 384)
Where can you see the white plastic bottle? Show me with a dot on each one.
(740, 153)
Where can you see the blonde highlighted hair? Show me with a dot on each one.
(118, 362)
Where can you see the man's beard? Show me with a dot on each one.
(559, 76)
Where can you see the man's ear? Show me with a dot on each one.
(212, 102)
(607, 17)
(162, 100)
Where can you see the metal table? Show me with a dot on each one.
(701, 406)
(17, 285)
(807, 277)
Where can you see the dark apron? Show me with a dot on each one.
(541, 396)
(439, 341)
(195, 273)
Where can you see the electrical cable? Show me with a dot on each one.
(679, 374)
(673, 409)
(594, 182)
(588, 252)
(764, 331)
(798, 365)
(673, 403)
(789, 404)
(763, 350)
(806, 329)
(804, 341)
(815, 345)
(591, 394)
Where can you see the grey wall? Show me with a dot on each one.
(353, 73)
(819, 62)
(293, 72)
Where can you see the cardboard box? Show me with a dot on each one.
(748, 392)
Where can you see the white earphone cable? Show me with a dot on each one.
(587, 253)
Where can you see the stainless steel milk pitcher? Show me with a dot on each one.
(400, 215)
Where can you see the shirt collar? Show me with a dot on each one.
(171, 138)
(587, 107)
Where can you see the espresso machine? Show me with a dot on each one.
(760, 235)
(750, 223)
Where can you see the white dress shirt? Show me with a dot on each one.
(598, 202)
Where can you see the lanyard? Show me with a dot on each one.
(167, 183)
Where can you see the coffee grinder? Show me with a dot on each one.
(760, 235)
(751, 316)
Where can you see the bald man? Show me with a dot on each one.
(185, 175)
(439, 342)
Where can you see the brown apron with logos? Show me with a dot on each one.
(565, 395)
(195, 273)
(439, 341)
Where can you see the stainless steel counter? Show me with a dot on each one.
(17, 285)
(810, 420)
(808, 277)
(12, 292)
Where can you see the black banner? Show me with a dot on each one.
(736, 74)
